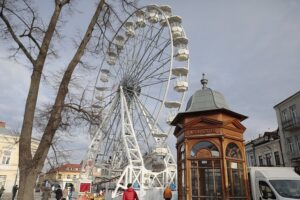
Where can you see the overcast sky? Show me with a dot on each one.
(250, 51)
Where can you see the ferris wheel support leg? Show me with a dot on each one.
(94, 147)
(133, 173)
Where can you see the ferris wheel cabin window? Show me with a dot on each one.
(206, 178)
(235, 172)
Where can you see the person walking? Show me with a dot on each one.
(168, 193)
(1, 191)
(46, 194)
(101, 195)
(14, 191)
(58, 193)
(130, 194)
(70, 192)
(65, 193)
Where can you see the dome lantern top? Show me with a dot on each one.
(206, 99)
(204, 81)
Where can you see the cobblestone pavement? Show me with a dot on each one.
(37, 196)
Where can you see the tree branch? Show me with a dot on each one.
(55, 117)
(16, 39)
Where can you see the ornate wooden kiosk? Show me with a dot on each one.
(210, 149)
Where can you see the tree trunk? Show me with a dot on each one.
(30, 168)
(27, 184)
(26, 165)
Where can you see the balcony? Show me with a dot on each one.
(295, 155)
(291, 124)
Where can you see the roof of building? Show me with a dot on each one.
(5, 131)
(206, 99)
(266, 137)
(66, 168)
(287, 99)
(8, 132)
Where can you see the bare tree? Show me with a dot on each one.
(20, 22)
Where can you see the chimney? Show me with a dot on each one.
(2, 124)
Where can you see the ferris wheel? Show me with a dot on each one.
(139, 89)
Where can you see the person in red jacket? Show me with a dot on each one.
(130, 194)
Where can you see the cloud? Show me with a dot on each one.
(14, 82)
(250, 51)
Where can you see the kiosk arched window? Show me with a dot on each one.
(206, 178)
(235, 172)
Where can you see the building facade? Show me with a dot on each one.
(9, 157)
(64, 175)
(288, 117)
(265, 150)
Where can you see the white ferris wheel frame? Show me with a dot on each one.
(136, 172)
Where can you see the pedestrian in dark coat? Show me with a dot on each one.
(58, 193)
(130, 194)
(14, 191)
(1, 191)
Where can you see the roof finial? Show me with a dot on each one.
(204, 81)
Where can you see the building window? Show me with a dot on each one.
(298, 142)
(2, 180)
(6, 157)
(268, 159)
(68, 176)
(74, 176)
(250, 160)
(260, 159)
(290, 145)
(284, 115)
(293, 113)
(277, 159)
(59, 176)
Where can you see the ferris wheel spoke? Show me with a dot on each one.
(149, 62)
(133, 56)
(146, 51)
(144, 129)
(139, 41)
(147, 115)
(156, 72)
(155, 83)
(156, 99)
(111, 130)
(148, 45)
(150, 59)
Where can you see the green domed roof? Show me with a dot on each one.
(206, 99)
